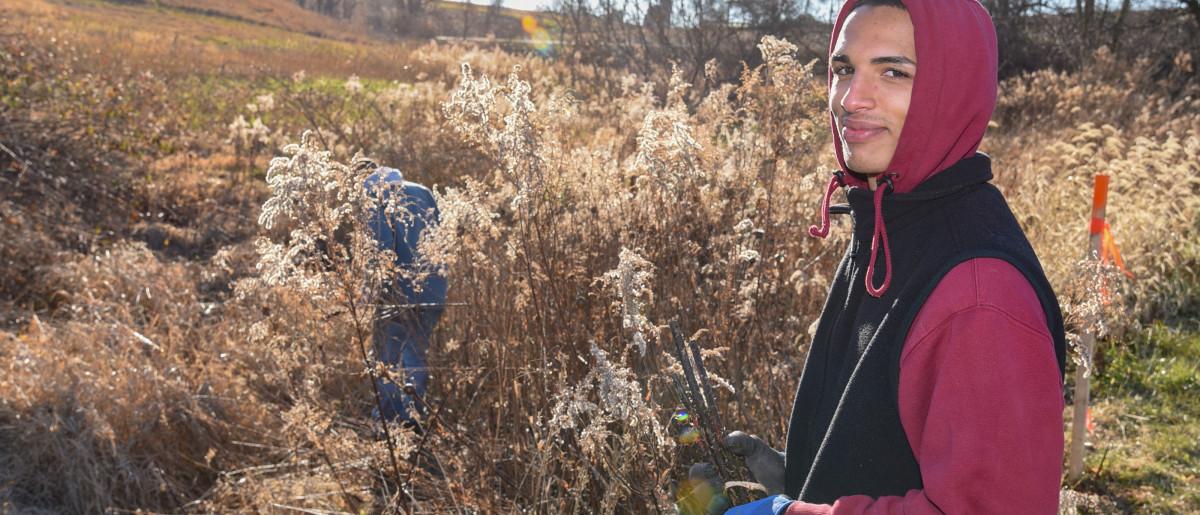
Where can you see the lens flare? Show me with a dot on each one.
(698, 497)
(529, 24)
(539, 38)
(684, 427)
(688, 436)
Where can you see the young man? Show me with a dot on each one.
(407, 313)
(934, 380)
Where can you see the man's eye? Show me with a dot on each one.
(844, 70)
(894, 73)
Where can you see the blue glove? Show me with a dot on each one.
(773, 505)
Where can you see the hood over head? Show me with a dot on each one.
(953, 96)
(384, 176)
(954, 90)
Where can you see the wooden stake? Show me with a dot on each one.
(1087, 341)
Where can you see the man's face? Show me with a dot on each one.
(874, 63)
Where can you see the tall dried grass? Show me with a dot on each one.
(575, 225)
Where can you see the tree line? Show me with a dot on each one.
(712, 38)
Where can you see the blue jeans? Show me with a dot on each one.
(402, 343)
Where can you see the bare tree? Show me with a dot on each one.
(648, 36)
(466, 20)
(1085, 12)
(413, 6)
(1119, 25)
(1193, 6)
(493, 12)
(1014, 31)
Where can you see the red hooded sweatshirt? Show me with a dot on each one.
(980, 392)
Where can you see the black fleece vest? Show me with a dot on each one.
(845, 436)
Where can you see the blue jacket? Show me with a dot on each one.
(402, 239)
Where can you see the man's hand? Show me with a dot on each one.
(703, 493)
(765, 463)
(773, 505)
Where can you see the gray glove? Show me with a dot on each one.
(704, 492)
(765, 463)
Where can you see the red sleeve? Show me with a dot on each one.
(980, 401)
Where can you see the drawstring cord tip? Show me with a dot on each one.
(836, 181)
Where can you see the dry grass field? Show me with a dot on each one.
(161, 351)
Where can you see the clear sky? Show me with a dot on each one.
(527, 5)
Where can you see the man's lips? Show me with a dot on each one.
(859, 132)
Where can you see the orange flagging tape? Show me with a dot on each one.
(1110, 252)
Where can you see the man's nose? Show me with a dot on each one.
(859, 95)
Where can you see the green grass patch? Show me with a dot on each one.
(1146, 409)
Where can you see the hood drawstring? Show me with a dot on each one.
(838, 180)
(880, 235)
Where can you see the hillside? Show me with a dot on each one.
(233, 37)
(280, 14)
(227, 37)
(283, 14)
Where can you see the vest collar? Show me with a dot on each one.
(899, 208)
(875, 211)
